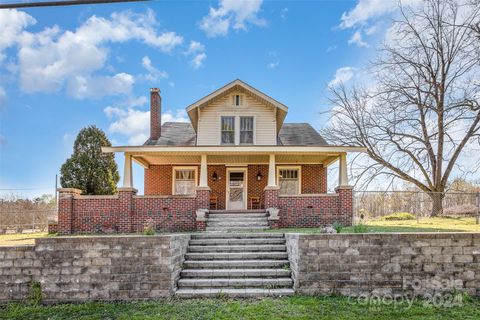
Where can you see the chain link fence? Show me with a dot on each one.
(23, 215)
(371, 205)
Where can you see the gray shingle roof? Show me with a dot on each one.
(291, 134)
(299, 134)
(175, 134)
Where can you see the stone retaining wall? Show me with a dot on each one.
(385, 264)
(93, 268)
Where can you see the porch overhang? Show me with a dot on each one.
(151, 155)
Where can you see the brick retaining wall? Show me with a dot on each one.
(385, 264)
(93, 268)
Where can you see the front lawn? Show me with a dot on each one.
(443, 224)
(296, 307)
(20, 238)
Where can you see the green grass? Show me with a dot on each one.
(443, 224)
(20, 239)
(399, 216)
(440, 224)
(297, 307)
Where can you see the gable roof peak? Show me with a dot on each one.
(232, 86)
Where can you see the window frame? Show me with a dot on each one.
(240, 131)
(240, 100)
(299, 169)
(174, 178)
(234, 130)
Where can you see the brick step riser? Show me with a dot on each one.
(226, 249)
(236, 229)
(236, 264)
(227, 223)
(232, 236)
(236, 242)
(237, 216)
(233, 293)
(251, 211)
(234, 273)
(237, 256)
(235, 283)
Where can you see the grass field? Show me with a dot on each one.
(424, 225)
(20, 239)
(296, 307)
(376, 226)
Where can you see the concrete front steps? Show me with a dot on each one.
(237, 221)
(235, 265)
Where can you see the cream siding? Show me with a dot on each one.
(210, 118)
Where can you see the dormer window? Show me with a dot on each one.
(237, 100)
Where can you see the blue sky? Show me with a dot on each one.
(65, 68)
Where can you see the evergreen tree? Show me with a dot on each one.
(88, 169)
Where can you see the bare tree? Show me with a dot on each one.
(420, 111)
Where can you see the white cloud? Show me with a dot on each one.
(273, 65)
(365, 17)
(234, 14)
(358, 40)
(135, 124)
(197, 50)
(274, 62)
(3, 96)
(366, 10)
(153, 73)
(52, 59)
(284, 13)
(12, 23)
(342, 75)
(87, 86)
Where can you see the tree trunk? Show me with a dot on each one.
(437, 203)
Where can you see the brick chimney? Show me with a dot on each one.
(155, 114)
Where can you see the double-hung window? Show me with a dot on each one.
(246, 130)
(289, 180)
(228, 130)
(184, 183)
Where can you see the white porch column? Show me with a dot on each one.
(203, 172)
(272, 179)
(127, 171)
(342, 171)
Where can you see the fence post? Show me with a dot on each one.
(478, 208)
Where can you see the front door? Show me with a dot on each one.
(236, 189)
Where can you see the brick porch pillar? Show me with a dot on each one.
(203, 205)
(345, 204)
(66, 197)
(271, 202)
(126, 209)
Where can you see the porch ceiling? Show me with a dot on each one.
(157, 159)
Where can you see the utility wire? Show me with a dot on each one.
(59, 3)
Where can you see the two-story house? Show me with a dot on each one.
(236, 154)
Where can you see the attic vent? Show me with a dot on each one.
(237, 100)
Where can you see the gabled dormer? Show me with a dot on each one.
(237, 114)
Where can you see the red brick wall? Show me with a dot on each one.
(309, 212)
(158, 180)
(171, 214)
(314, 178)
(255, 187)
(218, 188)
(95, 215)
